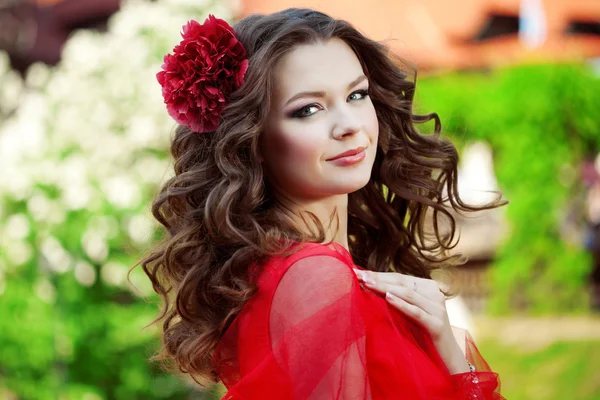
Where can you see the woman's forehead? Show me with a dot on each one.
(316, 67)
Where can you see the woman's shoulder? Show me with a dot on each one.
(311, 250)
(310, 257)
(312, 278)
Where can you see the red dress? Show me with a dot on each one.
(312, 332)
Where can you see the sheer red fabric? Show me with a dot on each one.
(312, 332)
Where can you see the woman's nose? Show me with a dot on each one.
(346, 123)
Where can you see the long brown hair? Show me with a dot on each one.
(221, 216)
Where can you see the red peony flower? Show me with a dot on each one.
(204, 69)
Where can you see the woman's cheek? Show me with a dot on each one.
(373, 125)
(303, 145)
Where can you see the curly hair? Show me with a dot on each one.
(220, 214)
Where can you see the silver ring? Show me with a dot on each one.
(415, 286)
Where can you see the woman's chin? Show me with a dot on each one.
(350, 187)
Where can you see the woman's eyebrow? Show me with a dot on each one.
(322, 94)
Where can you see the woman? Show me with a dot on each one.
(298, 258)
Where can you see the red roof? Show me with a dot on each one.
(440, 34)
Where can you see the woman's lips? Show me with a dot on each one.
(348, 153)
(350, 159)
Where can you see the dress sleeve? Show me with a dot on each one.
(481, 384)
(313, 333)
(317, 333)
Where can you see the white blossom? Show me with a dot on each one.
(114, 273)
(87, 141)
(85, 273)
(58, 259)
(17, 226)
(17, 253)
(45, 290)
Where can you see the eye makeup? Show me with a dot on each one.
(298, 114)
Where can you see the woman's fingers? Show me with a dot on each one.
(385, 277)
(426, 305)
(408, 295)
(413, 311)
(379, 281)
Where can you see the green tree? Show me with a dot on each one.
(540, 121)
(82, 156)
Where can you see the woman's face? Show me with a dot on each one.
(319, 109)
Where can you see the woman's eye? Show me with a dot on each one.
(305, 111)
(363, 93)
(302, 113)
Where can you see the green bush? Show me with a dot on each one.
(540, 120)
(83, 147)
(82, 156)
(562, 370)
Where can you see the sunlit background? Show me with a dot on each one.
(84, 145)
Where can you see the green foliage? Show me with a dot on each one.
(82, 155)
(563, 370)
(540, 121)
(84, 148)
(87, 343)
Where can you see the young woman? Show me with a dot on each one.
(304, 219)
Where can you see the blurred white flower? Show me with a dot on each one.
(56, 215)
(37, 75)
(59, 260)
(12, 87)
(45, 290)
(18, 252)
(17, 226)
(95, 246)
(77, 197)
(140, 228)
(113, 273)
(43, 209)
(142, 130)
(38, 206)
(104, 225)
(151, 169)
(121, 191)
(85, 273)
(31, 133)
(89, 139)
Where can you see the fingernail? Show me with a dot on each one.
(388, 296)
(359, 274)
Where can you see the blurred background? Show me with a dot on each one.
(84, 145)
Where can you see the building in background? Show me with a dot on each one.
(433, 34)
(470, 34)
(32, 31)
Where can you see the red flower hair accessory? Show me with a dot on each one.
(204, 69)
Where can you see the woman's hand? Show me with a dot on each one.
(423, 301)
(418, 298)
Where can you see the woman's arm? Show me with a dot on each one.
(452, 354)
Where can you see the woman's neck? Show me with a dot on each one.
(336, 227)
